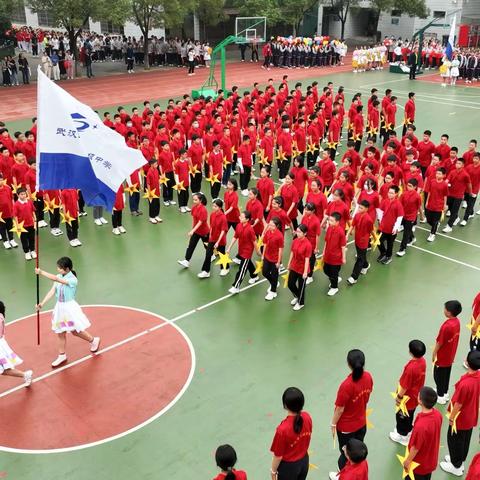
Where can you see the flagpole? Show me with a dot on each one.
(37, 262)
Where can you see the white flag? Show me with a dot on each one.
(76, 150)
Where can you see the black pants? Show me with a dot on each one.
(191, 66)
(408, 235)
(470, 206)
(5, 228)
(168, 187)
(413, 71)
(284, 167)
(134, 201)
(358, 144)
(441, 375)
(404, 423)
(28, 239)
(297, 285)
(343, 439)
(361, 262)
(294, 470)
(433, 219)
(332, 271)
(183, 197)
(270, 272)
(129, 64)
(207, 263)
(458, 445)
(117, 218)
(55, 218)
(39, 206)
(386, 244)
(245, 264)
(266, 61)
(196, 182)
(154, 208)
(81, 201)
(454, 206)
(192, 244)
(245, 178)
(215, 189)
(72, 230)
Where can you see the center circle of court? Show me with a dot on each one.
(143, 367)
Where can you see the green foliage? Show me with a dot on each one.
(261, 8)
(210, 12)
(414, 8)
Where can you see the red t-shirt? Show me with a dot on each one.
(23, 212)
(182, 169)
(153, 180)
(340, 207)
(474, 172)
(289, 445)
(476, 306)
(119, 199)
(239, 475)
(215, 162)
(467, 393)
(412, 380)
(320, 202)
(426, 438)
(230, 199)
(392, 209)
(458, 183)
(6, 202)
(246, 240)
(448, 339)
(244, 153)
(301, 249)
(218, 224)
(425, 152)
(334, 241)
(437, 192)
(474, 470)
(290, 197)
(443, 151)
(272, 241)
(327, 171)
(411, 202)
(281, 215)
(353, 397)
(70, 202)
(266, 189)
(19, 170)
(363, 224)
(165, 160)
(312, 222)
(255, 208)
(373, 199)
(354, 471)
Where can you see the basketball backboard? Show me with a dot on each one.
(251, 29)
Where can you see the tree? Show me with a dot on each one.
(7, 7)
(261, 8)
(210, 13)
(341, 9)
(148, 14)
(293, 11)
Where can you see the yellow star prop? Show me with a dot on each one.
(131, 189)
(402, 406)
(311, 148)
(406, 121)
(213, 179)
(18, 228)
(332, 144)
(163, 179)
(454, 426)
(318, 265)
(50, 206)
(413, 465)
(226, 162)
(470, 326)
(1, 218)
(260, 243)
(375, 237)
(33, 196)
(373, 131)
(234, 150)
(15, 187)
(369, 423)
(66, 218)
(224, 260)
(179, 187)
(193, 170)
(285, 280)
(389, 126)
(150, 195)
(259, 266)
(263, 160)
(281, 156)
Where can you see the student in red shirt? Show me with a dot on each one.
(226, 458)
(292, 439)
(230, 198)
(244, 163)
(278, 211)
(247, 243)
(289, 193)
(437, 190)
(411, 203)
(474, 469)
(356, 467)
(390, 217)
(474, 343)
(6, 213)
(463, 416)
(200, 229)
(217, 239)
(166, 159)
(424, 443)
(363, 226)
(195, 152)
(273, 245)
(266, 188)
(334, 252)
(443, 354)
(350, 415)
(409, 112)
(473, 170)
(70, 205)
(426, 149)
(312, 222)
(24, 213)
(117, 212)
(327, 169)
(181, 168)
(255, 207)
(443, 148)
(153, 186)
(409, 385)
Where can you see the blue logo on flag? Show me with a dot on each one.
(81, 121)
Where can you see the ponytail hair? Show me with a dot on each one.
(201, 197)
(2, 308)
(356, 361)
(219, 203)
(226, 458)
(65, 263)
(293, 400)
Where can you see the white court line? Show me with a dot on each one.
(448, 236)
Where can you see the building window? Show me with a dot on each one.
(396, 13)
(109, 27)
(45, 19)
(18, 14)
(439, 14)
(395, 21)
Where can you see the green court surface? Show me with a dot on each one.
(249, 350)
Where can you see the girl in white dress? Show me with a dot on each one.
(9, 360)
(67, 314)
(454, 70)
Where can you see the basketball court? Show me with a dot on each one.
(184, 366)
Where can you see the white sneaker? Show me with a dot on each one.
(478, 212)
(188, 209)
(332, 291)
(294, 301)
(33, 254)
(423, 220)
(297, 307)
(173, 202)
(78, 243)
(447, 229)
(364, 271)
(167, 203)
(116, 231)
(7, 245)
(431, 237)
(28, 256)
(203, 275)
(73, 243)
(103, 220)
(42, 224)
(158, 219)
(98, 222)
(464, 204)
(182, 210)
(448, 213)
(224, 272)
(463, 223)
(413, 242)
(152, 220)
(400, 228)
(270, 295)
(213, 258)
(95, 344)
(62, 358)
(449, 468)
(401, 253)
(122, 229)
(443, 400)
(13, 243)
(396, 437)
(184, 263)
(245, 193)
(233, 290)
(237, 261)
(456, 221)
(253, 280)
(351, 281)
(334, 475)
(309, 280)
(27, 377)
